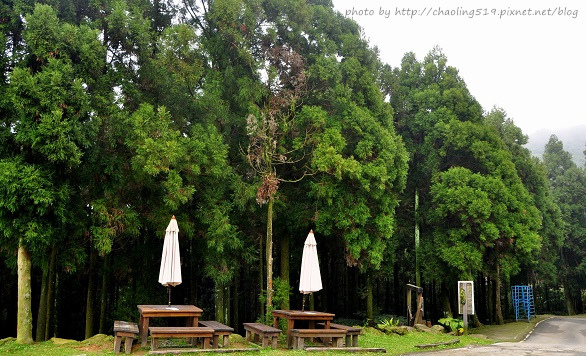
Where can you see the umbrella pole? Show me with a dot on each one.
(169, 288)
(303, 303)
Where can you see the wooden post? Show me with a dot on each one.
(419, 312)
(409, 315)
(465, 316)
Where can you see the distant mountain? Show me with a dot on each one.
(574, 139)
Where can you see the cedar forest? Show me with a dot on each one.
(254, 121)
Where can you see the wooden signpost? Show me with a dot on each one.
(419, 313)
(465, 301)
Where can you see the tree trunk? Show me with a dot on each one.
(490, 293)
(261, 275)
(285, 267)
(219, 303)
(417, 271)
(193, 272)
(369, 302)
(269, 251)
(497, 298)
(24, 324)
(42, 313)
(446, 307)
(104, 293)
(398, 305)
(568, 297)
(91, 295)
(236, 301)
(49, 325)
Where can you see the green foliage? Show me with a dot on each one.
(455, 325)
(387, 322)
(569, 191)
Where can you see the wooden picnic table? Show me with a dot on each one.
(293, 315)
(191, 312)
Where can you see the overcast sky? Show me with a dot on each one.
(533, 65)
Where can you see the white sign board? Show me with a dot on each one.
(466, 297)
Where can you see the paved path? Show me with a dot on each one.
(554, 336)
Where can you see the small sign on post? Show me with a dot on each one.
(465, 301)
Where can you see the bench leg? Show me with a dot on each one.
(206, 342)
(265, 341)
(154, 343)
(248, 335)
(128, 344)
(274, 342)
(355, 340)
(226, 341)
(117, 342)
(337, 341)
(300, 343)
(215, 342)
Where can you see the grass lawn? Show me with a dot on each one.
(394, 344)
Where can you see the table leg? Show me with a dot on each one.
(143, 328)
(327, 340)
(290, 326)
(192, 322)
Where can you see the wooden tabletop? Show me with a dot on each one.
(302, 315)
(166, 310)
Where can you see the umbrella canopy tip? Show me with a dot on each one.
(311, 231)
(173, 217)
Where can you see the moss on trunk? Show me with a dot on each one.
(24, 322)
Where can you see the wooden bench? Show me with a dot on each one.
(352, 333)
(255, 331)
(128, 331)
(219, 330)
(299, 336)
(158, 332)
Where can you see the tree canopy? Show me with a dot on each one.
(254, 122)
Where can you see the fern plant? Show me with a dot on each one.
(455, 325)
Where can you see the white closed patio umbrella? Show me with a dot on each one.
(310, 279)
(170, 273)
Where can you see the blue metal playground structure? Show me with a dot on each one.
(523, 302)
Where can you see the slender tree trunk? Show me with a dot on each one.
(417, 272)
(446, 307)
(49, 325)
(397, 305)
(24, 324)
(104, 293)
(261, 275)
(475, 321)
(285, 267)
(219, 303)
(568, 297)
(499, 312)
(235, 301)
(490, 293)
(56, 308)
(579, 302)
(91, 295)
(193, 270)
(227, 304)
(269, 251)
(42, 313)
(369, 301)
